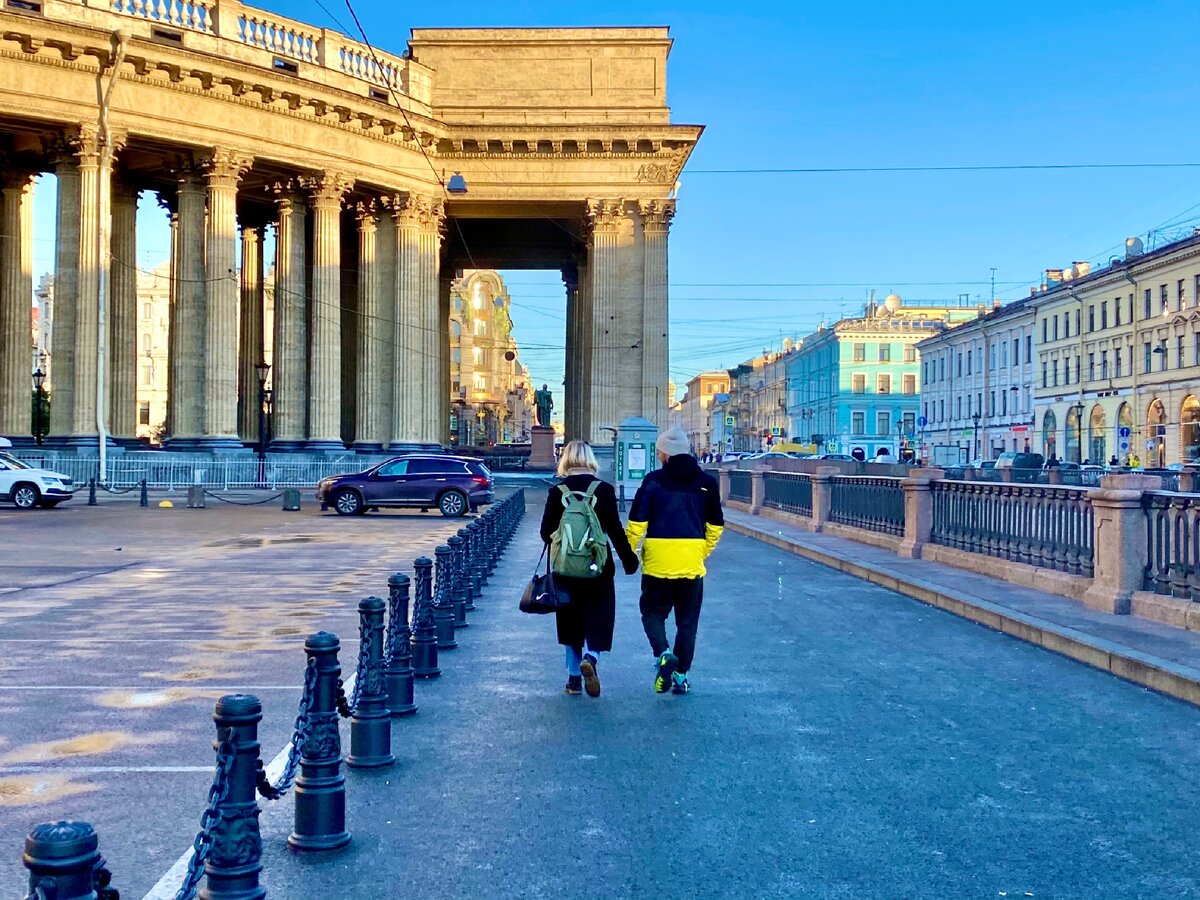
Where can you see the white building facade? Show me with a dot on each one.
(977, 387)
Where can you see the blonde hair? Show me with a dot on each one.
(577, 455)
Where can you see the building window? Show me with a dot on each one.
(1104, 364)
(958, 364)
(1179, 351)
(1067, 324)
(958, 407)
(910, 354)
(480, 326)
(144, 413)
(1066, 370)
(942, 413)
(910, 384)
(1016, 351)
(884, 384)
(1056, 328)
(1196, 348)
(1179, 293)
(1028, 348)
(146, 315)
(1054, 372)
(146, 344)
(1117, 311)
(1091, 367)
(1004, 403)
(882, 423)
(1146, 352)
(1104, 314)
(968, 362)
(1162, 297)
(1045, 368)
(1004, 353)
(1117, 358)
(1091, 318)
(858, 423)
(979, 402)
(991, 403)
(885, 352)
(1044, 338)
(860, 352)
(1196, 291)
(858, 384)
(1147, 298)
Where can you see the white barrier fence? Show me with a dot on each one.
(172, 471)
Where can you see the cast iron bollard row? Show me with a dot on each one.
(63, 858)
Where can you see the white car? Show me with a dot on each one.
(28, 487)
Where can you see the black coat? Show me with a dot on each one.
(592, 612)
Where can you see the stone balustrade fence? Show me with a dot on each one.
(876, 504)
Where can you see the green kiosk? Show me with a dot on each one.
(635, 454)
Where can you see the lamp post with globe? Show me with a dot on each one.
(41, 427)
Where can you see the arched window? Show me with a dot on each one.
(1098, 440)
(1189, 429)
(1073, 436)
(1049, 434)
(1156, 435)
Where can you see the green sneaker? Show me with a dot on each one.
(664, 669)
(679, 683)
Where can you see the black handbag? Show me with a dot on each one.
(542, 594)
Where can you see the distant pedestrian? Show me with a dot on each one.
(1052, 462)
(1135, 462)
(677, 511)
(1113, 460)
(585, 626)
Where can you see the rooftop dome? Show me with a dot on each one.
(893, 302)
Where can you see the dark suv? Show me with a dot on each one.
(453, 484)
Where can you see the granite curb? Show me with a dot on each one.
(1162, 675)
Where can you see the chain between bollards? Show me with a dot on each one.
(424, 640)
(399, 672)
(371, 725)
(443, 606)
(458, 591)
(465, 573)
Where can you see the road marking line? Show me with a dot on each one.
(97, 770)
(168, 886)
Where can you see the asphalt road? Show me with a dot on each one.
(840, 740)
(121, 626)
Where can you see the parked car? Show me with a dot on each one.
(1013, 460)
(838, 457)
(26, 486)
(451, 484)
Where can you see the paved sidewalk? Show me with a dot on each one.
(1148, 653)
(840, 741)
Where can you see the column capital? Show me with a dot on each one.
(366, 211)
(656, 214)
(416, 210)
(327, 188)
(604, 216)
(77, 143)
(224, 167)
(168, 201)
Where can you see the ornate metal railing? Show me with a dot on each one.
(739, 486)
(788, 491)
(1048, 527)
(1172, 544)
(870, 502)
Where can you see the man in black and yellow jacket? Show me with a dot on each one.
(677, 511)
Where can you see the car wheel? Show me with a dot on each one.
(25, 496)
(452, 504)
(348, 503)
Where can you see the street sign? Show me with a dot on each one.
(729, 421)
(966, 432)
(922, 421)
(1123, 431)
(1124, 446)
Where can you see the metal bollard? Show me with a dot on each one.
(371, 724)
(485, 543)
(91, 492)
(144, 498)
(458, 591)
(399, 672)
(232, 868)
(443, 605)
(475, 530)
(64, 862)
(195, 498)
(465, 573)
(424, 643)
(320, 822)
(291, 499)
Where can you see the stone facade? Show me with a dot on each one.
(240, 121)
(695, 417)
(1118, 359)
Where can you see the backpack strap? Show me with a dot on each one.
(590, 493)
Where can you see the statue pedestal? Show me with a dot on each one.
(541, 449)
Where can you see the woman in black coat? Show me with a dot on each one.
(585, 626)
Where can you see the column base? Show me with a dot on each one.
(222, 446)
(286, 446)
(367, 447)
(81, 444)
(324, 446)
(25, 442)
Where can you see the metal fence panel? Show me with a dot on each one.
(1173, 544)
(788, 491)
(739, 485)
(876, 504)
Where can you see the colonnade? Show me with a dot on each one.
(393, 295)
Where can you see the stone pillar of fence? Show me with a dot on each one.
(758, 491)
(1054, 476)
(918, 510)
(1119, 539)
(1187, 482)
(723, 481)
(1006, 475)
(822, 496)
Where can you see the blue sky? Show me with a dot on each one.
(756, 257)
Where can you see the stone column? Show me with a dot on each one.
(289, 349)
(1119, 540)
(822, 496)
(87, 298)
(605, 376)
(442, 348)
(66, 293)
(16, 298)
(122, 316)
(385, 326)
(581, 393)
(251, 338)
(571, 362)
(223, 170)
(325, 357)
(918, 510)
(723, 484)
(185, 403)
(758, 491)
(169, 202)
(656, 221)
(418, 359)
(435, 327)
(369, 430)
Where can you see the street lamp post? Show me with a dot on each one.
(975, 418)
(262, 369)
(40, 427)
